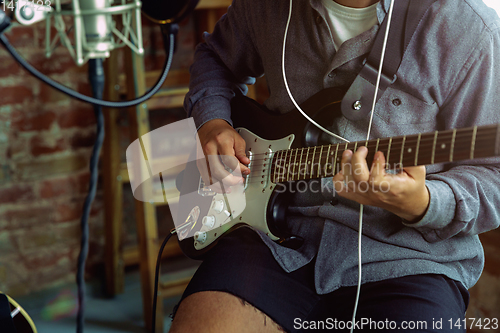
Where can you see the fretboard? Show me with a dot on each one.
(401, 151)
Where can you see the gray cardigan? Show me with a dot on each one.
(449, 78)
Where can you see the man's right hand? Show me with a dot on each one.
(222, 147)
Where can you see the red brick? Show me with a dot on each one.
(78, 117)
(39, 146)
(15, 95)
(69, 212)
(56, 166)
(22, 36)
(16, 193)
(50, 95)
(25, 121)
(56, 187)
(8, 66)
(25, 217)
(58, 63)
(71, 185)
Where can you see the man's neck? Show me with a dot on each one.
(356, 3)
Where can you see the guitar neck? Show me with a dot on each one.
(412, 150)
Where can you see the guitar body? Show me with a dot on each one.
(228, 211)
(209, 215)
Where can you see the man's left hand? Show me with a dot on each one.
(403, 193)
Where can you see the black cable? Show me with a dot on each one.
(173, 30)
(157, 277)
(96, 79)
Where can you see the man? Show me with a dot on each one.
(420, 250)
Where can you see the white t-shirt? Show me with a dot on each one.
(346, 22)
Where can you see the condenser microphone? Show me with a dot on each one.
(97, 27)
(86, 27)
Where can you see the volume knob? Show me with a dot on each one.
(218, 206)
(200, 237)
(208, 221)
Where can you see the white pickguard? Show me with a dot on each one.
(249, 205)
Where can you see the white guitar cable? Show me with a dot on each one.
(379, 75)
(288, 88)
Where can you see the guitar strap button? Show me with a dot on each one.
(357, 105)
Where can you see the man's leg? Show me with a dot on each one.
(240, 287)
(419, 303)
(219, 312)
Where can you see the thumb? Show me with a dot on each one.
(239, 150)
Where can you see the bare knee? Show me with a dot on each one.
(215, 311)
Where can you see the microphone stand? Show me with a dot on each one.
(96, 79)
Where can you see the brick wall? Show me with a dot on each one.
(46, 140)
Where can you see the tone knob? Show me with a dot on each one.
(208, 221)
(218, 206)
(200, 237)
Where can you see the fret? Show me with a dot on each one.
(355, 146)
(418, 148)
(327, 165)
(452, 149)
(396, 152)
(335, 163)
(473, 142)
(312, 162)
(463, 143)
(426, 148)
(300, 162)
(276, 161)
(402, 152)
(285, 166)
(408, 150)
(291, 165)
(434, 147)
(307, 163)
(383, 144)
(281, 174)
(442, 147)
(295, 162)
(376, 148)
(388, 151)
(485, 142)
(319, 161)
(370, 145)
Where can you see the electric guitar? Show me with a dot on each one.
(21, 321)
(261, 201)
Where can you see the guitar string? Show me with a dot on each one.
(425, 143)
(426, 139)
(459, 151)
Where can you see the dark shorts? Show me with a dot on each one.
(241, 264)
